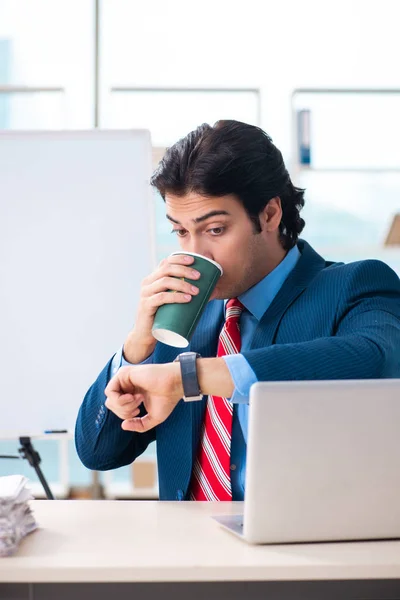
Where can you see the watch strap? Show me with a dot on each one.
(190, 382)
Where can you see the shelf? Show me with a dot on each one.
(370, 249)
(347, 127)
(345, 91)
(366, 170)
(124, 489)
(140, 481)
(58, 490)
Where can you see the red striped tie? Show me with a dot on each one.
(211, 472)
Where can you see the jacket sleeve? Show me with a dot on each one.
(366, 343)
(100, 442)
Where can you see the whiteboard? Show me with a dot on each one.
(76, 240)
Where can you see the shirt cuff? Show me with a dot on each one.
(243, 377)
(119, 361)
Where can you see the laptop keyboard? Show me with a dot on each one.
(236, 523)
(233, 522)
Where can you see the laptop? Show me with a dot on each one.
(323, 462)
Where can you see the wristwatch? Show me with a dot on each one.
(190, 382)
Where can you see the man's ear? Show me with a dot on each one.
(271, 215)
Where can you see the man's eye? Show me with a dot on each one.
(216, 230)
(179, 232)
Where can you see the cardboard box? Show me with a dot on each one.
(144, 474)
(393, 237)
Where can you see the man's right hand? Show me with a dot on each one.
(169, 275)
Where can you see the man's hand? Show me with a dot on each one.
(171, 274)
(158, 387)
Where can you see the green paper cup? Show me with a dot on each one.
(174, 324)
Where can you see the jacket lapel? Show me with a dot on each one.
(307, 267)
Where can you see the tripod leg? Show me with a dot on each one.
(27, 451)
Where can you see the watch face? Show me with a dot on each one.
(183, 354)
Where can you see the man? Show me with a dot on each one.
(287, 315)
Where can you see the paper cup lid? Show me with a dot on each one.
(200, 256)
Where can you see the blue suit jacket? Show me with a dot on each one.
(328, 321)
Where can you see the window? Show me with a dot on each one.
(171, 113)
(46, 64)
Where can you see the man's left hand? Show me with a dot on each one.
(158, 387)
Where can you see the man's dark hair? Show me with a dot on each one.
(233, 158)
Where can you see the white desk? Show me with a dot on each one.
(161, 548)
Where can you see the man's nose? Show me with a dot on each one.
(198, 247)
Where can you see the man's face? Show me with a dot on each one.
(220, 229)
